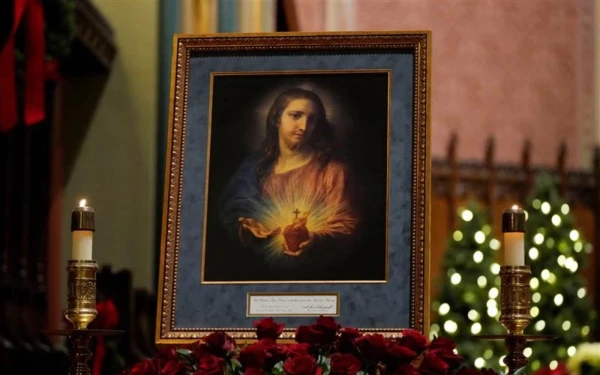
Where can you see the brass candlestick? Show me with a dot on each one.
(515, 298)
(515, 315)
(80, 354)
(81, 311)
(515, 312)
(81, 292)
(515, 293)
(79, 348)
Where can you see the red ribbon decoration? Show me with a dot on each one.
(53, 71)
(31, 13)
(107, 318)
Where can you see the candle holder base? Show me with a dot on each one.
(81, 292)
(79, 350)
(515, 359)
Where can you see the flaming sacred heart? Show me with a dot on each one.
(296, 233)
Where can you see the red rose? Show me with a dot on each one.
(167, 354)
(275, 352)
(254, 371)
(296, 350)
(171, 367)
(406, 369)
(219, 343)
(452, 359)
(327, 323)
(433, 365)
(303, 334)
(145, 367)
(372, 347)
(210, 365)
(442, 343)
(347, 338)
(268, 329)
(344, 364)
(253, 356)
(414, 340)
(397, 355)
(199, 349)
(350, 333)
(300, 365)
(322, 332)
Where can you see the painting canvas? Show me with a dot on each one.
(297, 179)
(296, 183)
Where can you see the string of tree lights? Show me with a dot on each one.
(556, 253)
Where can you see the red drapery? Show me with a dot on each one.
(30, 13)
(107, 318)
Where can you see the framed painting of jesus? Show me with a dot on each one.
(296, 183)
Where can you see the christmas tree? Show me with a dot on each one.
(556, 253)
(468, 301)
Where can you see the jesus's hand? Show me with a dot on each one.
(257, 229)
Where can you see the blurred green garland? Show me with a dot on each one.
(59, 17)
(59, 20)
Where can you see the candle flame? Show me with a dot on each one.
(82, 203)
(515, 207)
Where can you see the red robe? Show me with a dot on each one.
(320, 194)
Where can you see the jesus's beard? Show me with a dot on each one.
(294, 145)
(295, 141)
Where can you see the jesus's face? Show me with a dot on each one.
(296, 123)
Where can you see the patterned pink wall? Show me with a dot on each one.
(311, 14)
(511, 69)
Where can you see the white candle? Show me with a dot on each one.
(82, 231)
(513, 227)
(514, 249)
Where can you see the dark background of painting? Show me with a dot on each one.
(357, 105)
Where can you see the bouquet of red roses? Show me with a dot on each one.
(322, 348)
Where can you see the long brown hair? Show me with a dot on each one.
(321, 138)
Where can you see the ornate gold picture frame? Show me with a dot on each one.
(297, 183)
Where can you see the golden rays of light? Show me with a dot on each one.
(289, 203)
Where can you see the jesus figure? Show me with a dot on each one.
(295, 197)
